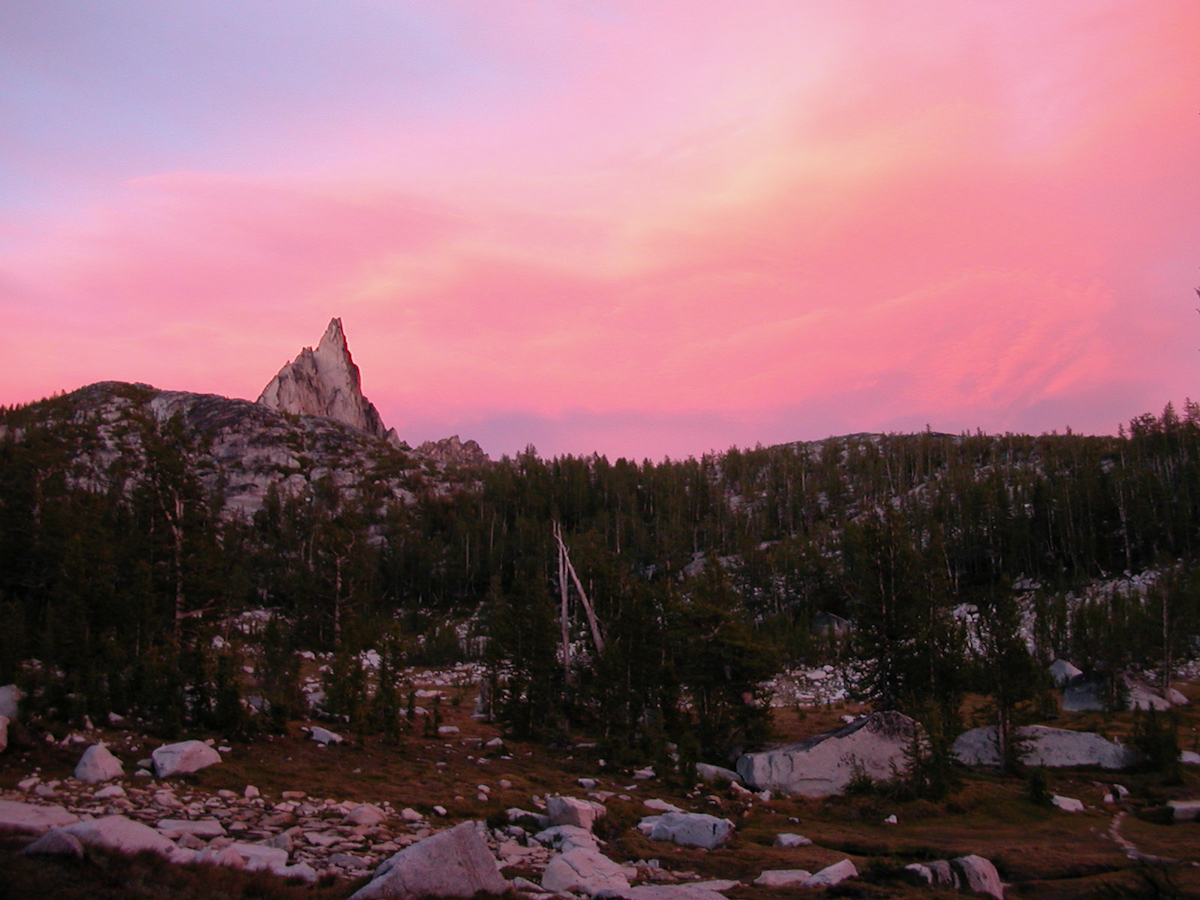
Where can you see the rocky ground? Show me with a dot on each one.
(333, 812)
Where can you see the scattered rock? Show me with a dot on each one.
(454, 863)
(875, 745)
(670, 892)
(98, 764)
(183, 758)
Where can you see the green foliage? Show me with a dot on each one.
(1157, 736)
(1037, 787)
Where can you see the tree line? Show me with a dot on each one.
(706, 575)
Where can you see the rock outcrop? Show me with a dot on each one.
(875, 746)
(453, 451)
(325, 382)
(1045, 746)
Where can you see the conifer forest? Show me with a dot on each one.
(931, 564)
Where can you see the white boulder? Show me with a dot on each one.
(31, 818)
(782, 877)
(1062, 671)
(979, 875)
(922, 872)
(454, 863)
(698, 891)
(1067, 804)
(201, 828)
(585, 872)
(876, 745)
(1185, 810)
(55, 843)
(98, 764)
(687, 829)
(564, 837)
(787, 841)
(10, 701)
(706, 772)
(1045, 746)
(260, 856)
(367, 815)
(183, 758)
(120, 833)
(324, 735)
(835, 874)
(572, 811)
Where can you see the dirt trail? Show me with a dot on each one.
(1131, 849)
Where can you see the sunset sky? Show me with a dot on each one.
(643, 228)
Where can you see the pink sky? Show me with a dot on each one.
(640, 229)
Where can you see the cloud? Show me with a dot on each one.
(627, 223)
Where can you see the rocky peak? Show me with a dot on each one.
(454, 451)
(325, 382)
